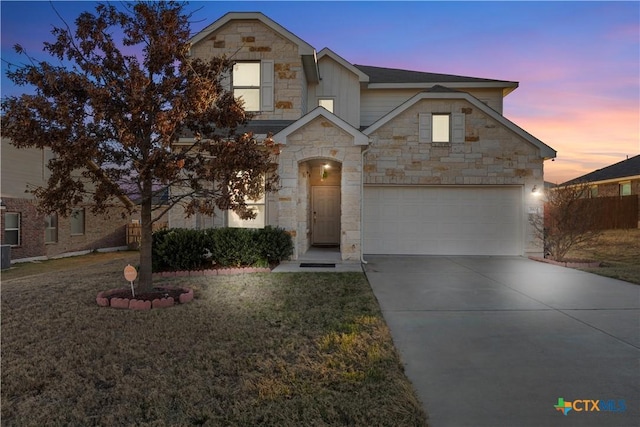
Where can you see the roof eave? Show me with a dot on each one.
(507, 87)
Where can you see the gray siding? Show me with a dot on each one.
(342, 86)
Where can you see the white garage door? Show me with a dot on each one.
(443, 220)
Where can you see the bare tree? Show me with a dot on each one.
(113, 119)
(569, 220)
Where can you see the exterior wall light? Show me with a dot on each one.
(535, 191)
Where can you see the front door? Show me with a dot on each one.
(325, 210)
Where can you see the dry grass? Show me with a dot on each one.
(271, 349)
(33, 268)
(619, 252)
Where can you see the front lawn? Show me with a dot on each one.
(617, 250)
(266, 349)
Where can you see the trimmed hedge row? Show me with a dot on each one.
(180, 249)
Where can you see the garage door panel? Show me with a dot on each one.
(443, 220)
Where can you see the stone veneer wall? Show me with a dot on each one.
(320, 139)
(251, 40)
(490, 155)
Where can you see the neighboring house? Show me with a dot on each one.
(33, 235)
(377, 160)
(619, 179)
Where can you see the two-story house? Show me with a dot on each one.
(376, 160)
(33, 235)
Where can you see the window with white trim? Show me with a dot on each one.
(51, 228)
(441, 128)
(257, 206)
(253, 82)
(327, 103)
(625, 188)
(76, 222)
(246, 84)
(12, 229)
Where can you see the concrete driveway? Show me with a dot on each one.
(496, 341)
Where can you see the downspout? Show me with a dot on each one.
(365, 151)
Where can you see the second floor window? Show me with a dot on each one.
(326, 103)
(246, 84)
(441, 128)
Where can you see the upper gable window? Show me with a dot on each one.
(441, 128)
(246, 84)
(326, 103)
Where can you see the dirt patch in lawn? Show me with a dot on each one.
(618, 252)
(255, 349)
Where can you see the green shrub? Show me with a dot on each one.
(182, 249)
(233, 247)
(275, 244)
(179, 249)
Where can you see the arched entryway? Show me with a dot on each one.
(319, 205)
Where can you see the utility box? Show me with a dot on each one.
(5, 261)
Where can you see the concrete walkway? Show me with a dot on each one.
(319, 256)
(496, 341)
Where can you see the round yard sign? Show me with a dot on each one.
(130, 273)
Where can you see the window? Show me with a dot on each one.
(326, 103)
(441, 128)
(625, 188)
(51, 228)
(593, 191)
(246, 84)
(12, 229)
(258, 207)
(77, 222)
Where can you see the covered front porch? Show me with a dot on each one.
(320, 168)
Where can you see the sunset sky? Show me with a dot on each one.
(578, 63)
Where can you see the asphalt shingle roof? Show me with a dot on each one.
(393, 75)
(625, 168)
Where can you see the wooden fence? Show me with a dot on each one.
(134, 233)
(613, 212)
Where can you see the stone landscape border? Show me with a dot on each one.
(103, 300)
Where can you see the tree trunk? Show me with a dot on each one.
(146, 280)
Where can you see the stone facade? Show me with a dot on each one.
(490, 155)
(252, 40)
(319, 139)
(492, 152)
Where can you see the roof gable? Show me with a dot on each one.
(362, 77)
(306, 51)
(441, 92)
(624, 169)
(304, 47)
(358, 137)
